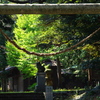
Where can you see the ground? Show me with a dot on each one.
(93, 94)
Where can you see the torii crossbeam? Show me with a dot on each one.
(71, 8)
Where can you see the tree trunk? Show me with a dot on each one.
(4, 85)
(71, 8)
(59, 73)
(4, 81)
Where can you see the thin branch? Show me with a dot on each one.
(2, 47)
(48, 54)
(97, 42)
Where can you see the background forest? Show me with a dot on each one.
(52, 33)
(49, 34)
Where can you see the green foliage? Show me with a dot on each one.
(52, 33)
(92, 50)
(32, 87)
(6, 24)
(66, 30)
(26, 31)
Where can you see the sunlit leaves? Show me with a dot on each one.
(27, 21)
(12, 54)
(26, 32)
(92, 50)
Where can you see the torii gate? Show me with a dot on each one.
(70, 8)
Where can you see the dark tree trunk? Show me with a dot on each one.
(4, 81)
(4, 85)
(59, 73)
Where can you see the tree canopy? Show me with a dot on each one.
(52, 33)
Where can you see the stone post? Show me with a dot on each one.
(49, 93)
(40, 87)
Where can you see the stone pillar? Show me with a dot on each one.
(20, 83)
(40, 87)
(49, 93)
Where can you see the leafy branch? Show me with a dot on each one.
(47, 54)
